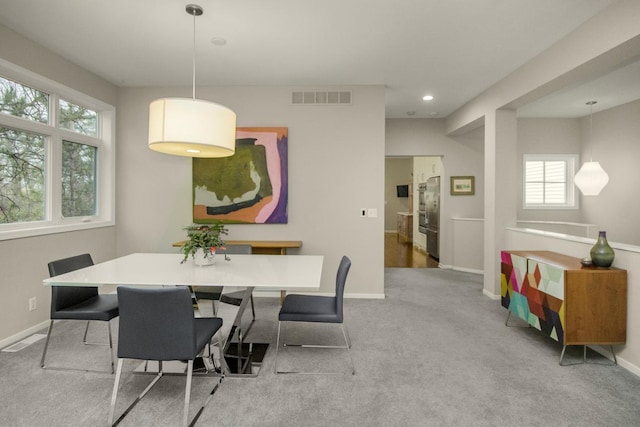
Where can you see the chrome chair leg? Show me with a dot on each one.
(347, 347)
(223, 367)
(348, 341)
(187, 394)
(114, 394)
(110, 344)
(275, 369)
(46, 344)
(86, 329)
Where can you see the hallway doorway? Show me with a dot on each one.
(405, 236)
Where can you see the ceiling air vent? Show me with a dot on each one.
(321, 97)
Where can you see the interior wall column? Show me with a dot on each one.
(500, 190)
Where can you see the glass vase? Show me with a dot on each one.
(601, 253)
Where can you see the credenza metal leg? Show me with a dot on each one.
(584, 357)
(564, 347)
(506, 323)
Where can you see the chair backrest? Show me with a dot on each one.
(156, 324)
(67, 296)
(236, 249)
(341, 280)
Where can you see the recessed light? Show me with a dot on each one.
(411, 113)
(218, 41)
(427, 97)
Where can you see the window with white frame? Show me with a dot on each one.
(548, 181)
(56, 157)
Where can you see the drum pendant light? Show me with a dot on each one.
(591, 178)
(192, 127)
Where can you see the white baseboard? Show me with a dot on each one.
(463, 269)
(468, 270)
(23, 334)
(276, 294)
(621, 361)
(491, 295)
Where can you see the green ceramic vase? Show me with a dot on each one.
(601, 253)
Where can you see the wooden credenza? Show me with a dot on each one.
(573, 304)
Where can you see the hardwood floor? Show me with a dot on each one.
(398, 253)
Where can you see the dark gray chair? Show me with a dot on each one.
(159, 324)
(214, 293)
(78, 303)
(319, 309)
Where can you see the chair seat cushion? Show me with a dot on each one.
(206, 327)
(309, 308)
(233, 298)
(101, 307)
(207, 292)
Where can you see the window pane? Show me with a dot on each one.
(23, 101)
(555, 193)
(534, 193)
(22, 189)
(78, 179)
(555, 171)
(534, 171)
(78, 119)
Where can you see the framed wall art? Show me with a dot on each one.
(462, 185)
(249, 187)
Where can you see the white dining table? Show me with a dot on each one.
(283, 272)
(249, 272)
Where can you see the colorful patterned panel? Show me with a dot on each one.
(534, 292)
(513, 273)
(549, 280)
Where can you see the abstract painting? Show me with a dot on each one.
(249, 187)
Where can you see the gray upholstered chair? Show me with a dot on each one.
(159, 324)
(78, 303)
(214, 293)
(319, 309)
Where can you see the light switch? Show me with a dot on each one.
(372, 213)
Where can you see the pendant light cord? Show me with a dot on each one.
(590, 104)
(194, 57)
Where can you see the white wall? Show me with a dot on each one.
(23, 262)
(546, 136)
(336, 167)
(616, 145)
(468, 238)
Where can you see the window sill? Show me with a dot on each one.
(33, 231)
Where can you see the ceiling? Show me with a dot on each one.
(453, 49)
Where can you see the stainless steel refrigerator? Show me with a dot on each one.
(432, 196)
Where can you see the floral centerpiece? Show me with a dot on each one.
(203, 238)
